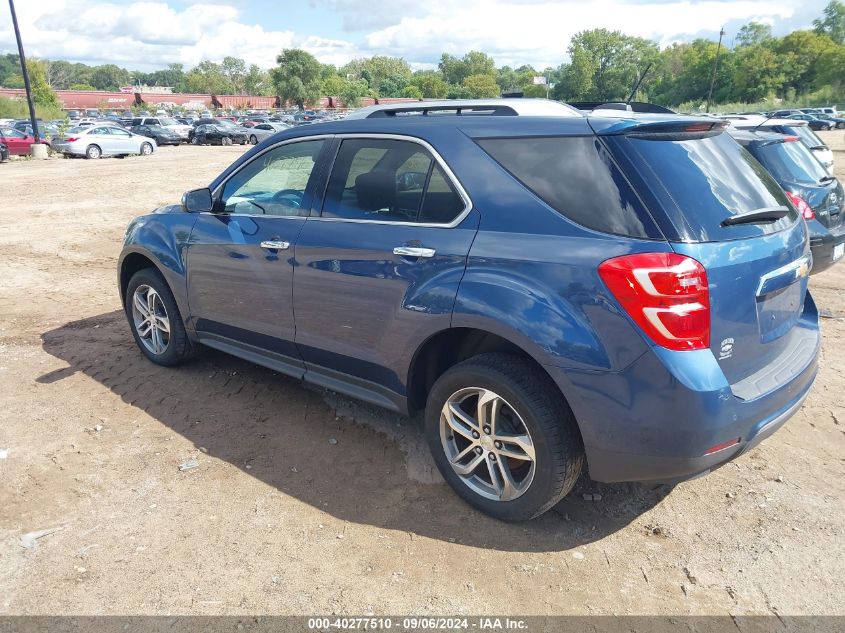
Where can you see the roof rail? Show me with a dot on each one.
(468, 107)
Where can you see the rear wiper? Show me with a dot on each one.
(819, 147)
(766, 214)
(825, 179)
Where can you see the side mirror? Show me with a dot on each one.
(197, 201)
(411, 180)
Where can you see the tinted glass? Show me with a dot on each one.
(116, 131)
(703, 181)
(807, 136)
(274, 183)
(790, 162)
(441, 203)
(576, 177)
(380, 179)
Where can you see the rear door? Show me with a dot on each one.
(17, 142)
(378, 269)
(757, 271)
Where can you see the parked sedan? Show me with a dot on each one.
(162, 135)
(814, 122)
(213, 134)
(103, 140)
(815, 194)
(265, 130)
(17, 143)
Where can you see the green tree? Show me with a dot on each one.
(9, 65)
(379, 68)
(753, 33)
(481, 86)
(206, 78)
(801, 53)
(455, 70)
(234, 70)
(430, 84)
(605, 64)
(412, 92)
(109, 77)
(756, 73)
(297, 77)
(351, 92)
(832, 22)
(332, 85)
(392, 86)
(42, 94)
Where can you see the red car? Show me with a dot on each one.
(17, 142)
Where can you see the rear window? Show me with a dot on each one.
(702, 181)
(790, 161)
(577, 178)
(808, 136)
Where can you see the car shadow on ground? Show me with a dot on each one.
(305, 443)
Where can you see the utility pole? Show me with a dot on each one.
(24, 73)
(715, 68)
(548, 81)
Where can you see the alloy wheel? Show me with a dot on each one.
(487, 444)
(150, 319)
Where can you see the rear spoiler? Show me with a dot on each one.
(666, 130)
(631, 106)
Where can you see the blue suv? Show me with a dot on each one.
(625, 294)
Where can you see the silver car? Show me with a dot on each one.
(258, 133)
(102, 140)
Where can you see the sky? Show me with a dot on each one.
(149, 35)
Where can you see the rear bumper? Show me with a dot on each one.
(656, 420)
(822, 244)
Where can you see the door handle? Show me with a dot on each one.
(414, 251)
(275, 245)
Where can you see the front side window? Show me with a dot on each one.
(274, 183)
(389, 180)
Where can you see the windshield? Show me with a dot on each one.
(168, 121)
(791, 161)
(225, 123)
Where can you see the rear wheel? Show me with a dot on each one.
(93, 152)
(195, 141)
(840, 125)
(253, 139)
(146, 149)
(226, 141)
(155, 320)
(503, 436)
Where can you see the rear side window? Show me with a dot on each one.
(790, 161)
(577, 178)
(389, 180)
(703, 181)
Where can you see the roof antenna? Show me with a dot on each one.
(639, 81)
(763, 122)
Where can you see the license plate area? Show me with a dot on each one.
(779, 310)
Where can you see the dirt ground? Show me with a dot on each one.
(278, 518)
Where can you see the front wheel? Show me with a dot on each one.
(503, 436)
(155, 320)
(226, 141)
(146, 149)
(253, 139)
(840, 125)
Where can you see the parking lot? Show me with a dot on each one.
(303, 502)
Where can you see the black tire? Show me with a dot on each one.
(195, 141)
(253, 139)
(93, 152)
(559, 451)
(840, 125)
(179, 348)
(226, 141)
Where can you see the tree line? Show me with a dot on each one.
(603, 65)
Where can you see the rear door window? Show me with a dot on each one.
(700, 182)
(577, 178)
(389, 180)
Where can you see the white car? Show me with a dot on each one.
(259, 132)
(102, 140)
(166, 122)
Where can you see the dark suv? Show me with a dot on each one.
(625, 293)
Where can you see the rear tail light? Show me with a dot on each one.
(800, 204)
(71, 139)
(666, 294)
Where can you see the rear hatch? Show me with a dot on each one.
(797, 170)
(718, 205)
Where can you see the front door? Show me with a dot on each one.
(240, 258)
(378, 271)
